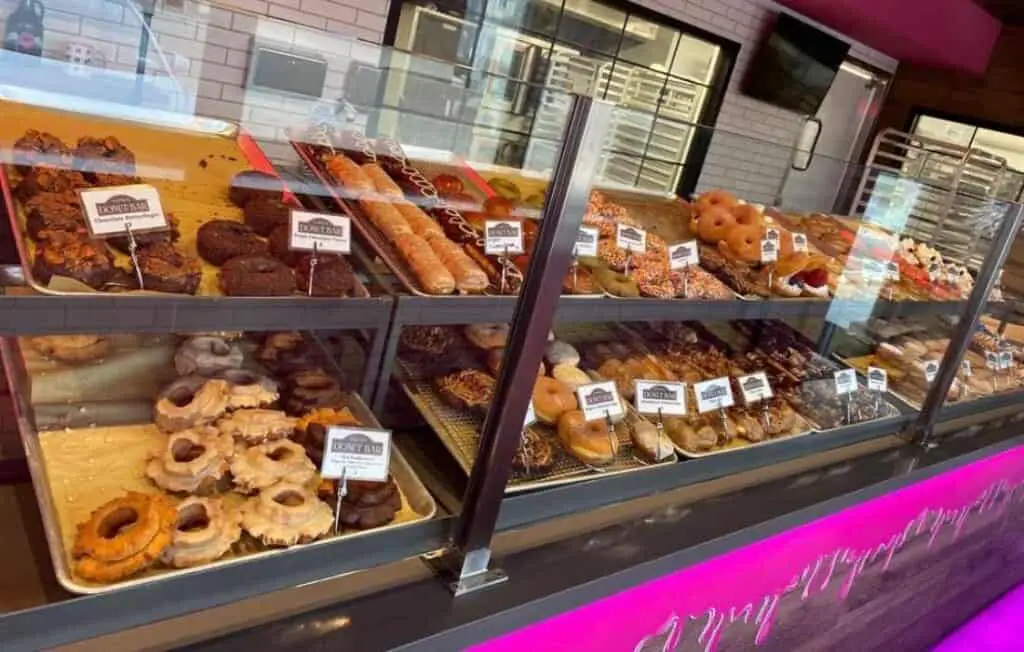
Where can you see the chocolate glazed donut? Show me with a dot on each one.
(256, 276)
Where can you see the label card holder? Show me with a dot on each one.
(931, 370)
(322, 233)
(503, 237)
(599, 400)
(755, 387)
(663, 398)
(878, 379)
(683, 255)
(115, 210)
(586, 242)
(845, 381)
(630, 238)
(800, 242)
(714, 394)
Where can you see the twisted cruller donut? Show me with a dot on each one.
(204, 531)
(256, 426)
(286, 514)
(266, 464)
(189, 402)
(206, 356)
(123, 537)
(193, 461)
(249, 389)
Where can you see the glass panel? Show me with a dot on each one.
(535, 16)
(592, 25)
(648, 44)
(695, 59)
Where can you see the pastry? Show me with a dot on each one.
(496, 356)
(204, 531)
(39, 148)
(551, 399)
(713, 199)
(206, 356)
(588, 441)
(311, 430)
(580, 283)
(743, 243)
(749, 215)
(286, 514)
(487, 336)
(104, 159)
(54, 211)
(287, 352)
(428, 340)
(193, 461)
(123, 243)
(716, 223)
(616, 283)
(123, 537)
(559, 352)
(263, 214)
(309, 389)
(431, 273)
(256, 276)
(469, 278)
(166, 269)
(382, 183)
(252, 184)
(387, 219)
(263, 465)
(40, 180)
(570, 374)
(534, 453)
(370, 504)
(332, 277)
(190, 402)
(218, 241)
(468, 389)
(248, 389)
(350, 175)
(421, 224)
(74, 257)
(256, 425)
(652, 444)
(278, 240)
(73, 349)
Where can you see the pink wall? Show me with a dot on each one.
(954, 34)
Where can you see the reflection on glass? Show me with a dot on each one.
(428, 32)
(537, 16)
(635, 87)
(592, 25)
(695, 59)
(648, 44)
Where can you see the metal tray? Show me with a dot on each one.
(459, 431)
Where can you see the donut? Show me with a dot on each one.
(263, 465)
(715, 225)
(166, 269)
(264, 214)
(286, 514)
(551, 399)
(123, 537)
(74, 349)
(426, 340)
(588, 441)
(218, 241)
(189, 402)
(713, 199)
(256, 276)
(333, 276)
(570, 375)
(487, 336)
(747, 215)
(370, 504)
(278, 243)
(309, 389)
(204, 531)
(256, 425)
(616, 283)
(248, 389)
(311, 430)
(744, 244)
(206, 356)
(534, 454)
(496, 356)
(193, 461)
(251, 184)
(559, 352)
(288, 352)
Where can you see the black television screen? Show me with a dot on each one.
(795, 66)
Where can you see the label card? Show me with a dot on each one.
(892, 271)
(755, 387)
(1005, 359)
(846, 381)
(655, 395)
(800, 242)
(531, 416)
(109, 210)
(358, 453)
(683, 255)
(503, 236)
(878, 379)
(599, 400)
(965, 369)
(586, 242)
(714, 394)
(331, 234)
(992, 360)
(931, 370)
(630, 238)
(769, 250)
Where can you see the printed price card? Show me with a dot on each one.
(599, 400)
(586, 242)
(502, 237)
(755, 387)
(892, 271)
(846, 381)
(683, 254)
(1005, 359)
(992, 360)
(110, 211)
(356, 453)
(800, 242)
(630, 238)
(714, 394)
(931, 370)
(878, 379)
(664, 397)
(330, 234)
(965, 369)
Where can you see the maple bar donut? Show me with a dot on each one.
(716, 224)
(123, 537)
(551, 399)
(189, 402)
(715, 198)
(249, 389)
(206, 356)
(256, 425)
(266, 464)
(286, 514)
(193, 461)
(204, 531)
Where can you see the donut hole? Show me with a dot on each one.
(118, 521)
(289, 499)
(193, 518)
(183, 450)
(280, 454)
(182, 397)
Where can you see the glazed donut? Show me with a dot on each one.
(286, 514)
(248, 389)
(206, 356)
(256, 426)
(71, 348)
(551, 399)
(123, 537)
(744, 244)
(203, 532)
(487, 336)
(588, 441)
(570, 374)
(189, 402)
(559, 352)
(263, 465)
(715, 198)
(747, 215)
(716, 224)
(192, 461)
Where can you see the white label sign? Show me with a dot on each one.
(683, 254)
(714, 394)
(112, 211)
(630, 238)
(800, 242)
(892, 271)
(878, 379)
(931, 370)
(599, 400)
(531, 416)
(356, 453)
(586, 242)
(1005, 359)
(769, 250)
(656, 396)
(503, 237)
(966, 369)
(846, 381)
(327, 233)
(755, 387)
(992, 360)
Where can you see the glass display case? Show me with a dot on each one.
(231, 281)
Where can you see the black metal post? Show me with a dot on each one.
(960, 338)
(469, 556)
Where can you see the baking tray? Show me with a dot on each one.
(191, 165)
(124, 441)
(459, 431)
